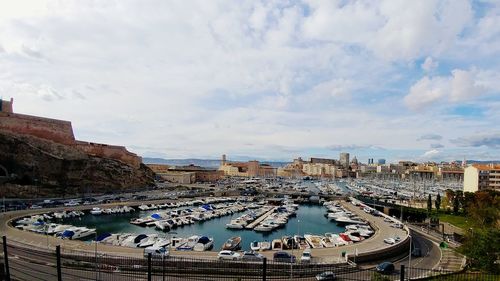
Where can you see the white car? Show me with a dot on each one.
(397, 225)
(71, 204)
(228, 255)
(306, 256)
(389, 241)
(35, 207)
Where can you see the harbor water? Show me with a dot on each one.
(310, 219)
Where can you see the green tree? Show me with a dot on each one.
(481, 247)
(437, 203)
(456, 204)
(429, 204)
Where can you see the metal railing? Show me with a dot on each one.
(21, 262)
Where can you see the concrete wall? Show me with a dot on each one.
(51, 129)
(119, 153)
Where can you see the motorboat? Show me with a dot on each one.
(82, 232)
(351, 227)
(161, 242)
(255, 246)
(327, 242)
(204, 243)
(232, 243)
(301, 242)
(189, 245)
(288, 243)
(265, 245)
(277, 244)
(149, 241)
(178, 241)
(264, 227)
(235, 225)
(313, 240)
(162, 225)
(96, 211)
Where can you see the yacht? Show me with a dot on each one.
(264, 227)
(313, 240)
(161, 242)
(149, 241)
(204, 243)
(255, 246)
(277, 244)
(265, 245)
(82, 232)
(189, 245)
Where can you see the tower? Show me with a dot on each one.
(223, 160)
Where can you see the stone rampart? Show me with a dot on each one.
(51, 129)
(115, 152)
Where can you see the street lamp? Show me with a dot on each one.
(409, 257)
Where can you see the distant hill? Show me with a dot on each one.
(208, 163)
(483, 162)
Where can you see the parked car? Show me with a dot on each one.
(228, 255)
(284, 257)
(397, 225)
(35, 206)
(389, 241)
(306, 256)
(327, 275)
(385, 268)
(251, 256)
(156, 252)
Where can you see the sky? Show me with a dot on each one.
(270, 80)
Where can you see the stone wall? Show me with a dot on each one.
(115, 152)
(50, 129)
(6, 106)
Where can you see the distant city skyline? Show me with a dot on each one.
(398, 80)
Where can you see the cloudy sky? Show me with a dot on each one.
(417, 80)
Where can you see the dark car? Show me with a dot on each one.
(385, 267)
(327, 275)
(284, 257)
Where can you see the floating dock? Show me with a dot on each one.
(261, 218)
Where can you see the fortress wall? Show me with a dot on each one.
(51, 129)
(119, 153)
(6, 106)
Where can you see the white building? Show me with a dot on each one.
(479, 177)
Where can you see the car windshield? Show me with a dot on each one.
(306, 254)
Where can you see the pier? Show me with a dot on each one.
(261, 218)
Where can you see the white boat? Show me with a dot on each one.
(351, 227)
(150, 241)
(54, 228)
(327, 242)
(161, 242)
(264, 227)
(255, 246)
(96, 211)
(163, 225)
(82, 232)
(301, 242)
(277, 244)
(313, 240)
(204, 243)
(265, 245)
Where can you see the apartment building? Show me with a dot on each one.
(480, 177)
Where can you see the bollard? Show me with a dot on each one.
(6, 258)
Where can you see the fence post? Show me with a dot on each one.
(402, 276)
(6, 258)
(149, 266)
(58, 262)
(163, 268)
(264, 269)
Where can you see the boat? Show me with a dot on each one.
(327, 242)
(232, 243)
(277, 244)
(190, 243)
(313, 240)
(96, 211)
(264, 227)
(265, 245)
(255, 246)
(288, 243)
(351, 227)
(345, 237)
(178, 241)
(162, 225)
(82, 232)
(149, 241)
(301, 242)
(161, 242)
(204, 243)
(235, 225)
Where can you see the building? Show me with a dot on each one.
(370, 161)
(479, 177)
(186, 174)
(60, 132)
(319, 169)
(380, 161)
(246, 169)
(292, 170)
(344, 159)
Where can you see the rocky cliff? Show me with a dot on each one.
(35, 164)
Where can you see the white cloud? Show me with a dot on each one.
(429, 64)
(462, 85)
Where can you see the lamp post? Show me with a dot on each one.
(409, 258)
